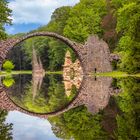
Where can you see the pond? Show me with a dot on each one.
(108, 109)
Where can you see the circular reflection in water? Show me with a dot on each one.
(39, 94)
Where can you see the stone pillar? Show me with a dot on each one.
(97, 56)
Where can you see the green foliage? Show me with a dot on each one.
(128, 102)
(5, 129)
(58, 20)
(56, 55)
(8, 81)
(119, 3)
(51, 51)
(85, 19)
(5, 13)
(78, 124)
(21, 59)
(128, 18)
(73, 93)
(8, 65)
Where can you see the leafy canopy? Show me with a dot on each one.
(5, 13)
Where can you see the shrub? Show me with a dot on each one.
(8, 66)
(8, 81)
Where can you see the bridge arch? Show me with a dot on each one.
(6, 46)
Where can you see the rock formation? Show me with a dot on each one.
(37, 74)
(72, 73)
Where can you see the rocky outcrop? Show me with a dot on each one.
(72, 74)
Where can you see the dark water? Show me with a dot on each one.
(104, 109)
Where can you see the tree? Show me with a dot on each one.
(85, 19)
(128, 18)
(5, 129)
(128, 101)
(58, 20)
(78, 124)
(8, 66)
(5, 13)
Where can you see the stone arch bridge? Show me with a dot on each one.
(94, 56)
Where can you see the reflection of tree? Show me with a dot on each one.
(118, 121)
(128, 101)
(50, 97)
(38, 104)
(78, 124)
(56, 93)
(8, 81)
(5, 129)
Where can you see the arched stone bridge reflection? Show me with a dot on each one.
(94, 94)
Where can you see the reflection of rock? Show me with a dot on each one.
(72, 73)
(36, 84)
(94, 94)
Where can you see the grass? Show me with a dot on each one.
(105, 74)
(115, 74)
(4, 73)
(54, 72)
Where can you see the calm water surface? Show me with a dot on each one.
(41, 94)
(116, 117)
